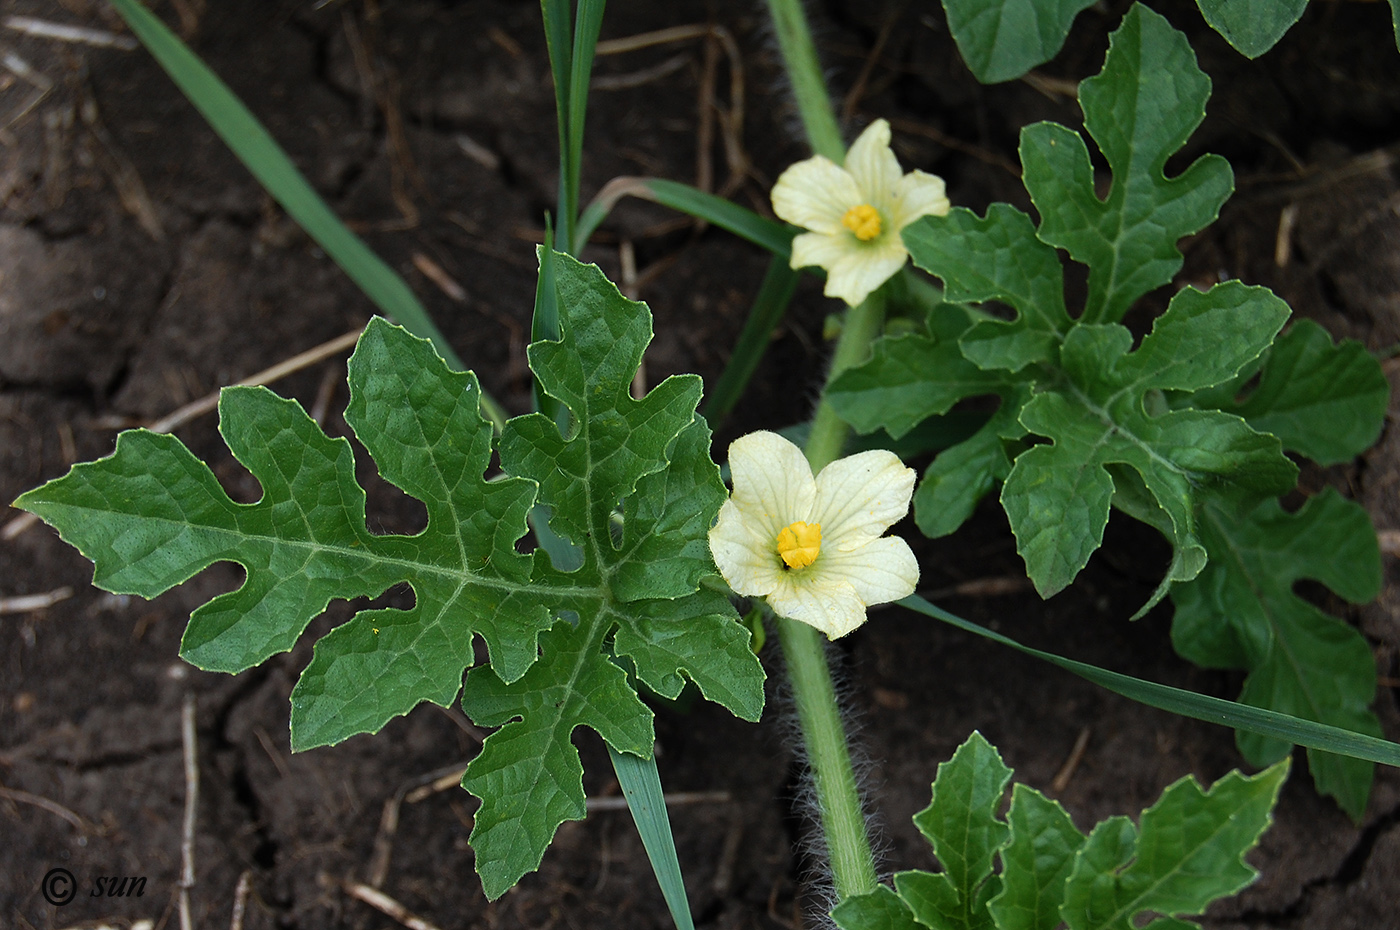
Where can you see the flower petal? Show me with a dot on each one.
(819, 249)
(815, 194)
(745, 555)
(873, 165)
(829, 604)
(861, 496)
(864, 268)
(879, 571)
(773, 483)
(918, 194)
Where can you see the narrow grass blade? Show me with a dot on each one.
(571, 53)
(558, 35)
(544, 321)
(770, 234)
(641, 786)
(262, 156)
(767, 311)
(1294, 730)
(587, 23)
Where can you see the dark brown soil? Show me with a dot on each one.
(141, 267)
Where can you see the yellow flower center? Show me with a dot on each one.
(799, 543)
(863, 220)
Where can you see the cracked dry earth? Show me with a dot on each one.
(141, 268)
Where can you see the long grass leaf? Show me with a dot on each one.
(558, 36)
(641, 786)
(544, 321)
(1294, 730)
(587, 23)
(769, 234)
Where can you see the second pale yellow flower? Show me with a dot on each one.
(855, 214)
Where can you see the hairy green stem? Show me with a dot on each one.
(843, 821)
(823, 733)
(805, 73)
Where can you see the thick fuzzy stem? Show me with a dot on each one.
(800, 61)
(823, 733)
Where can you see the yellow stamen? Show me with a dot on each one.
(800, 543)
(863, 220)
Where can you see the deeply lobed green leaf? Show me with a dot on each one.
(1140, 109)
(1187, 853)
(960, 477)
(1328, 402)
(1104, 407)
(1057, 496)
(1003, 39)
(151, 516)
(1242, 612)
(960, 824)
(1188, 429)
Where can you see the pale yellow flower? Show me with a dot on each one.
(814, 547)
(856, 213)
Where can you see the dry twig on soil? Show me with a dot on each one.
(53, 807)
(240, 900)
(191, 759)
(1076, 754)
(27, 603)
(387, 906)
(61, 32)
